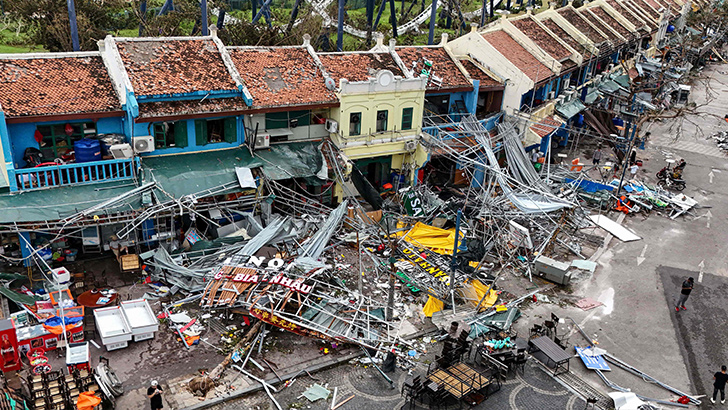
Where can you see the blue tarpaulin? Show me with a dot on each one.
(592, 362)
(589, 186)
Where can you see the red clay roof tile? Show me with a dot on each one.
(191, 107)
(542, 38)
(358, 66)
(562, 34)
(158, 67)
(477, 74)
(442, 66)
(646, 8)
(281, 76)
(611, 21)
(519, 56)
(56, 86)
(545, 126)
(582, 24)
(625, 7)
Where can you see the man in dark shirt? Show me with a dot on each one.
(687, 287)
(719, 384)
(155, 395)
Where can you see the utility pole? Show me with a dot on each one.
(203, 15)
(340, 29)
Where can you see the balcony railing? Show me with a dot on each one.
(52, 176)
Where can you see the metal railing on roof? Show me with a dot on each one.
(53, 176)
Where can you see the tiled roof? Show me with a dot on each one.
(358, 66)
(281, 76)
(578, 21)
(654, 4)
(628, 13)
(625, 7)
(477, 74)
(191, 107)
(519, 56)
(562, 34)
(442, 66)
(647, 8)
(542, 38)
(603, 27)
(56, 86)
(158, 67)
(546, 126)
(611, 21)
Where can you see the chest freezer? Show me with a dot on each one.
(113, 328)
(141, 319)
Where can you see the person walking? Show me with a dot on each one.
(154, 392)
(720, 378)
(597, 156)
(687, 287)
(633, 170)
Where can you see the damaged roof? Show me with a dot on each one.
(56, 85)
(631, 11)
(542, 38)
(582, 24)
(166, 66)
(476, 73)
(519, 56)
(358, 66)
(566, 37)
(214, 106)
(442, 66)
(645, 8)
(281, 76)
(612, 22)
(545, 127)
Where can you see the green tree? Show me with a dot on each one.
(49, 25)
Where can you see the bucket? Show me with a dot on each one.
(87, 150)
(71, 254)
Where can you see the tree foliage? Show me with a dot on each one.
(49, 25)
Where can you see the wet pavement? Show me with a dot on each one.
(701, 328)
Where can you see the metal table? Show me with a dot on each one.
(553, 353)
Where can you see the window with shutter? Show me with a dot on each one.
(231, 130)
(180, 134)
(200, 132)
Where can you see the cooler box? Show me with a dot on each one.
(141, 319)
(113, 328)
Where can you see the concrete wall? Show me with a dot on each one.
(146, 128)
(517, 83)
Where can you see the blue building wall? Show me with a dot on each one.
(146, 128)
(22, 136)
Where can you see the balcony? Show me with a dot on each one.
(53, 176)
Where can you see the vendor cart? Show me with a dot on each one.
(113, 328)
(141, 319)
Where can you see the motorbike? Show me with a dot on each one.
(667, 180)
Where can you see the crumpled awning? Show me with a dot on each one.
(570, 109)
(181, 175)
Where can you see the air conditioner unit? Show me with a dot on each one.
(331, 126)
(568, 95)
(560, 99)
(551, 95)
(410, 145)
(262, 141)
(121, 151)
(566, 83)
(143, 144)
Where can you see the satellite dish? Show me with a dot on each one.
(330, 84)
(385, 78)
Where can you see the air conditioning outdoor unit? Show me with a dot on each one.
(566, 83)
(331, 126)
(121, 151)
(551, 95)
(262, 141)
(143, 144)
(410, 145)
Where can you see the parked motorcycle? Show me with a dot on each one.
(670, 182)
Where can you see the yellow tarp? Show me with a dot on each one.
(433, 305)
(474, 291)
(436, 239)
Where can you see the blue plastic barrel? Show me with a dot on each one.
(87, 150)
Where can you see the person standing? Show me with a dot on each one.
(687, 287)
(633, 170)
(720, 378)
(597, 156)
(154, 392)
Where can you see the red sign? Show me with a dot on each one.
(278, 321)
(293, 284)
